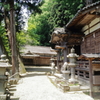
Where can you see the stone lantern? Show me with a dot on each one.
(72, 64)
(53, 69)
(65, 71)
(4, 68)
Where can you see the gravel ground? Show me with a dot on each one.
(36, 86)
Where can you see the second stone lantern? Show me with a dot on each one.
(72, 64)
(4, 68)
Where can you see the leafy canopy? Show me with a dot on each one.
(38, 25)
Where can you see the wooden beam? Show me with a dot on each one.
(65, 53)
(86, 19)
(60, 47)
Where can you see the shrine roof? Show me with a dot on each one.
(89, 56)
(36, 50)
(84, 15)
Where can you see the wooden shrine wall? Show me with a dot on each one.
(91, 43)
(37, 61)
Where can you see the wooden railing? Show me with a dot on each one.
(82, 69)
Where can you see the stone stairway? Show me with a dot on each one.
(12, 90)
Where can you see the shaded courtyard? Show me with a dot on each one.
(36, 85)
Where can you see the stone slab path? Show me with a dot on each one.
(36, 86)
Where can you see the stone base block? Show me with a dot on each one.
(75, 88)
(64, 88)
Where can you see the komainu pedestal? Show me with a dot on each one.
(65, 71)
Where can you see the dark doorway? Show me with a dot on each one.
(77, 50)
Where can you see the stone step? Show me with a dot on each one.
(24, 74)
(14, 98)
(12, 86)
(12, 89)
(12, 93)
(84, 87)
(58, 75)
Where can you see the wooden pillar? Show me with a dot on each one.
(65, 54)
(91, 77)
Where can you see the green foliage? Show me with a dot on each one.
(33, 38)
(4, 5)
(6, 43)
(38, 25)
(62, 11)
(4, 40)
(2, 30)
(21, 38)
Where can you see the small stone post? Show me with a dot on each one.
(52, 65)
(72, 64)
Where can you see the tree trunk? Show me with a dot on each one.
(15, 64)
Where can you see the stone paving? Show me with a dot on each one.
(36, 86)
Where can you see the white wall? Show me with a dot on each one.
(93, 26)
